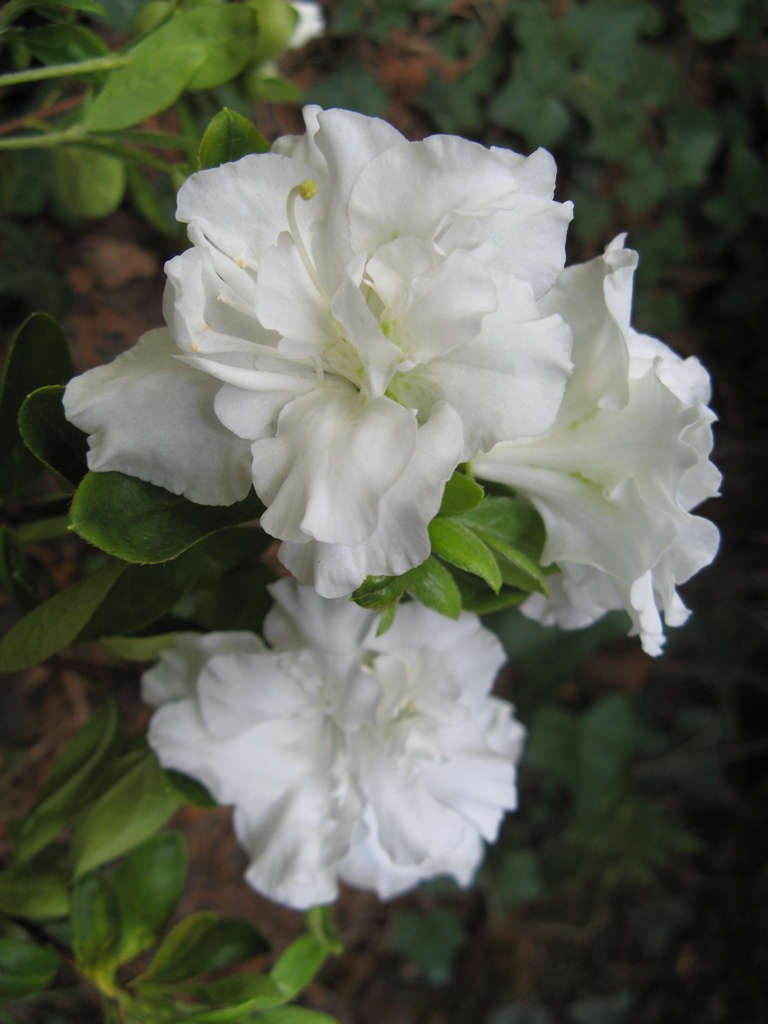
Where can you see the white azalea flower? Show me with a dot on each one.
(616, 477)
(379, 761)
(310, 24)
(360, 312)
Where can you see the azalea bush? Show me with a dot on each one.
(381, 406)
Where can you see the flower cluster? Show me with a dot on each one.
(380, 761)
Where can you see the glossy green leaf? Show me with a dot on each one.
(25, 968)
(132, 809)
(229, 136)
(88, 183)
(57, 621)
(200, 943)
(379, 592)
(34, 895)
(433, 585)
(95, 924)
(514, 529)
(459, 545)
(38, 355)
(148, 884)
(298, 965)
(461, 494)
(75, 777)
(139, 522)
(50, 436)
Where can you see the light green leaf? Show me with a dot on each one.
(38, 355)
(298, 965)
(25, 968)
(148, 884)
(459, 545)
(229, 136)
(95, 924)
(57, 621)
(50, 436)
(200, 943)
(135, 806)
(461, 494)
(139, 522)
(433, 585)
(88, 183)
(275, 22)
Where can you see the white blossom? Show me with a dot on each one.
(357, 315)
(379, 761)
(616, 477)
(310, 23)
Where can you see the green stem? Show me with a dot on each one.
(44, 140)
(80, 67)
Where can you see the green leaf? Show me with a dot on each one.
(95, 924)
(138, 648)
(320, 923)
(429, 941)
(459, 545)
(75, 777)
(57, 621)
(514, 529)
(229, 136)
(712, 20)
(139, 522)
(517, 878)
(33, 895)
(231, 998)
(380, 592)
(275, 22)
(295, 1015)
(136, 805)
(25, 968)
(50, 436)
(298, 965)
(433, 585)
(148, 884)
(461, 494)
(200, 943)
(197, 48)
(64, 43)
(88, 183)
(38, 355)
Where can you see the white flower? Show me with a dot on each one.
(310, 24)
(616, 477)
(378, 761)
(357, 315)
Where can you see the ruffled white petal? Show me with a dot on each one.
(150, 416)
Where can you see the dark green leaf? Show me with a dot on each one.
(461, 494)
(191, 791)
(200, 943)
(295, 1015)
(232, 998)
(88, 183)
(25, 580)
(229, 136)
(380, 592)
(33, 895)
(136, 805)
(298, 965)
(95, 924)
(514, 529)
(433, 585)
(459, 545)
(139, 522)
(50, 436)
(64, 43)
(27, 271)
(57, 621)
(74, 779)
(154, 198)
(429, 941)
(517, 878)
(712, 20)
(148, 884)
(38, 355)
(25, 968)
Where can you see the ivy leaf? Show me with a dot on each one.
(229, 136)
(139, 522)
(49, 435)
(57, 621)
(135, 805)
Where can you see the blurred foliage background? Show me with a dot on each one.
(631, 886)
